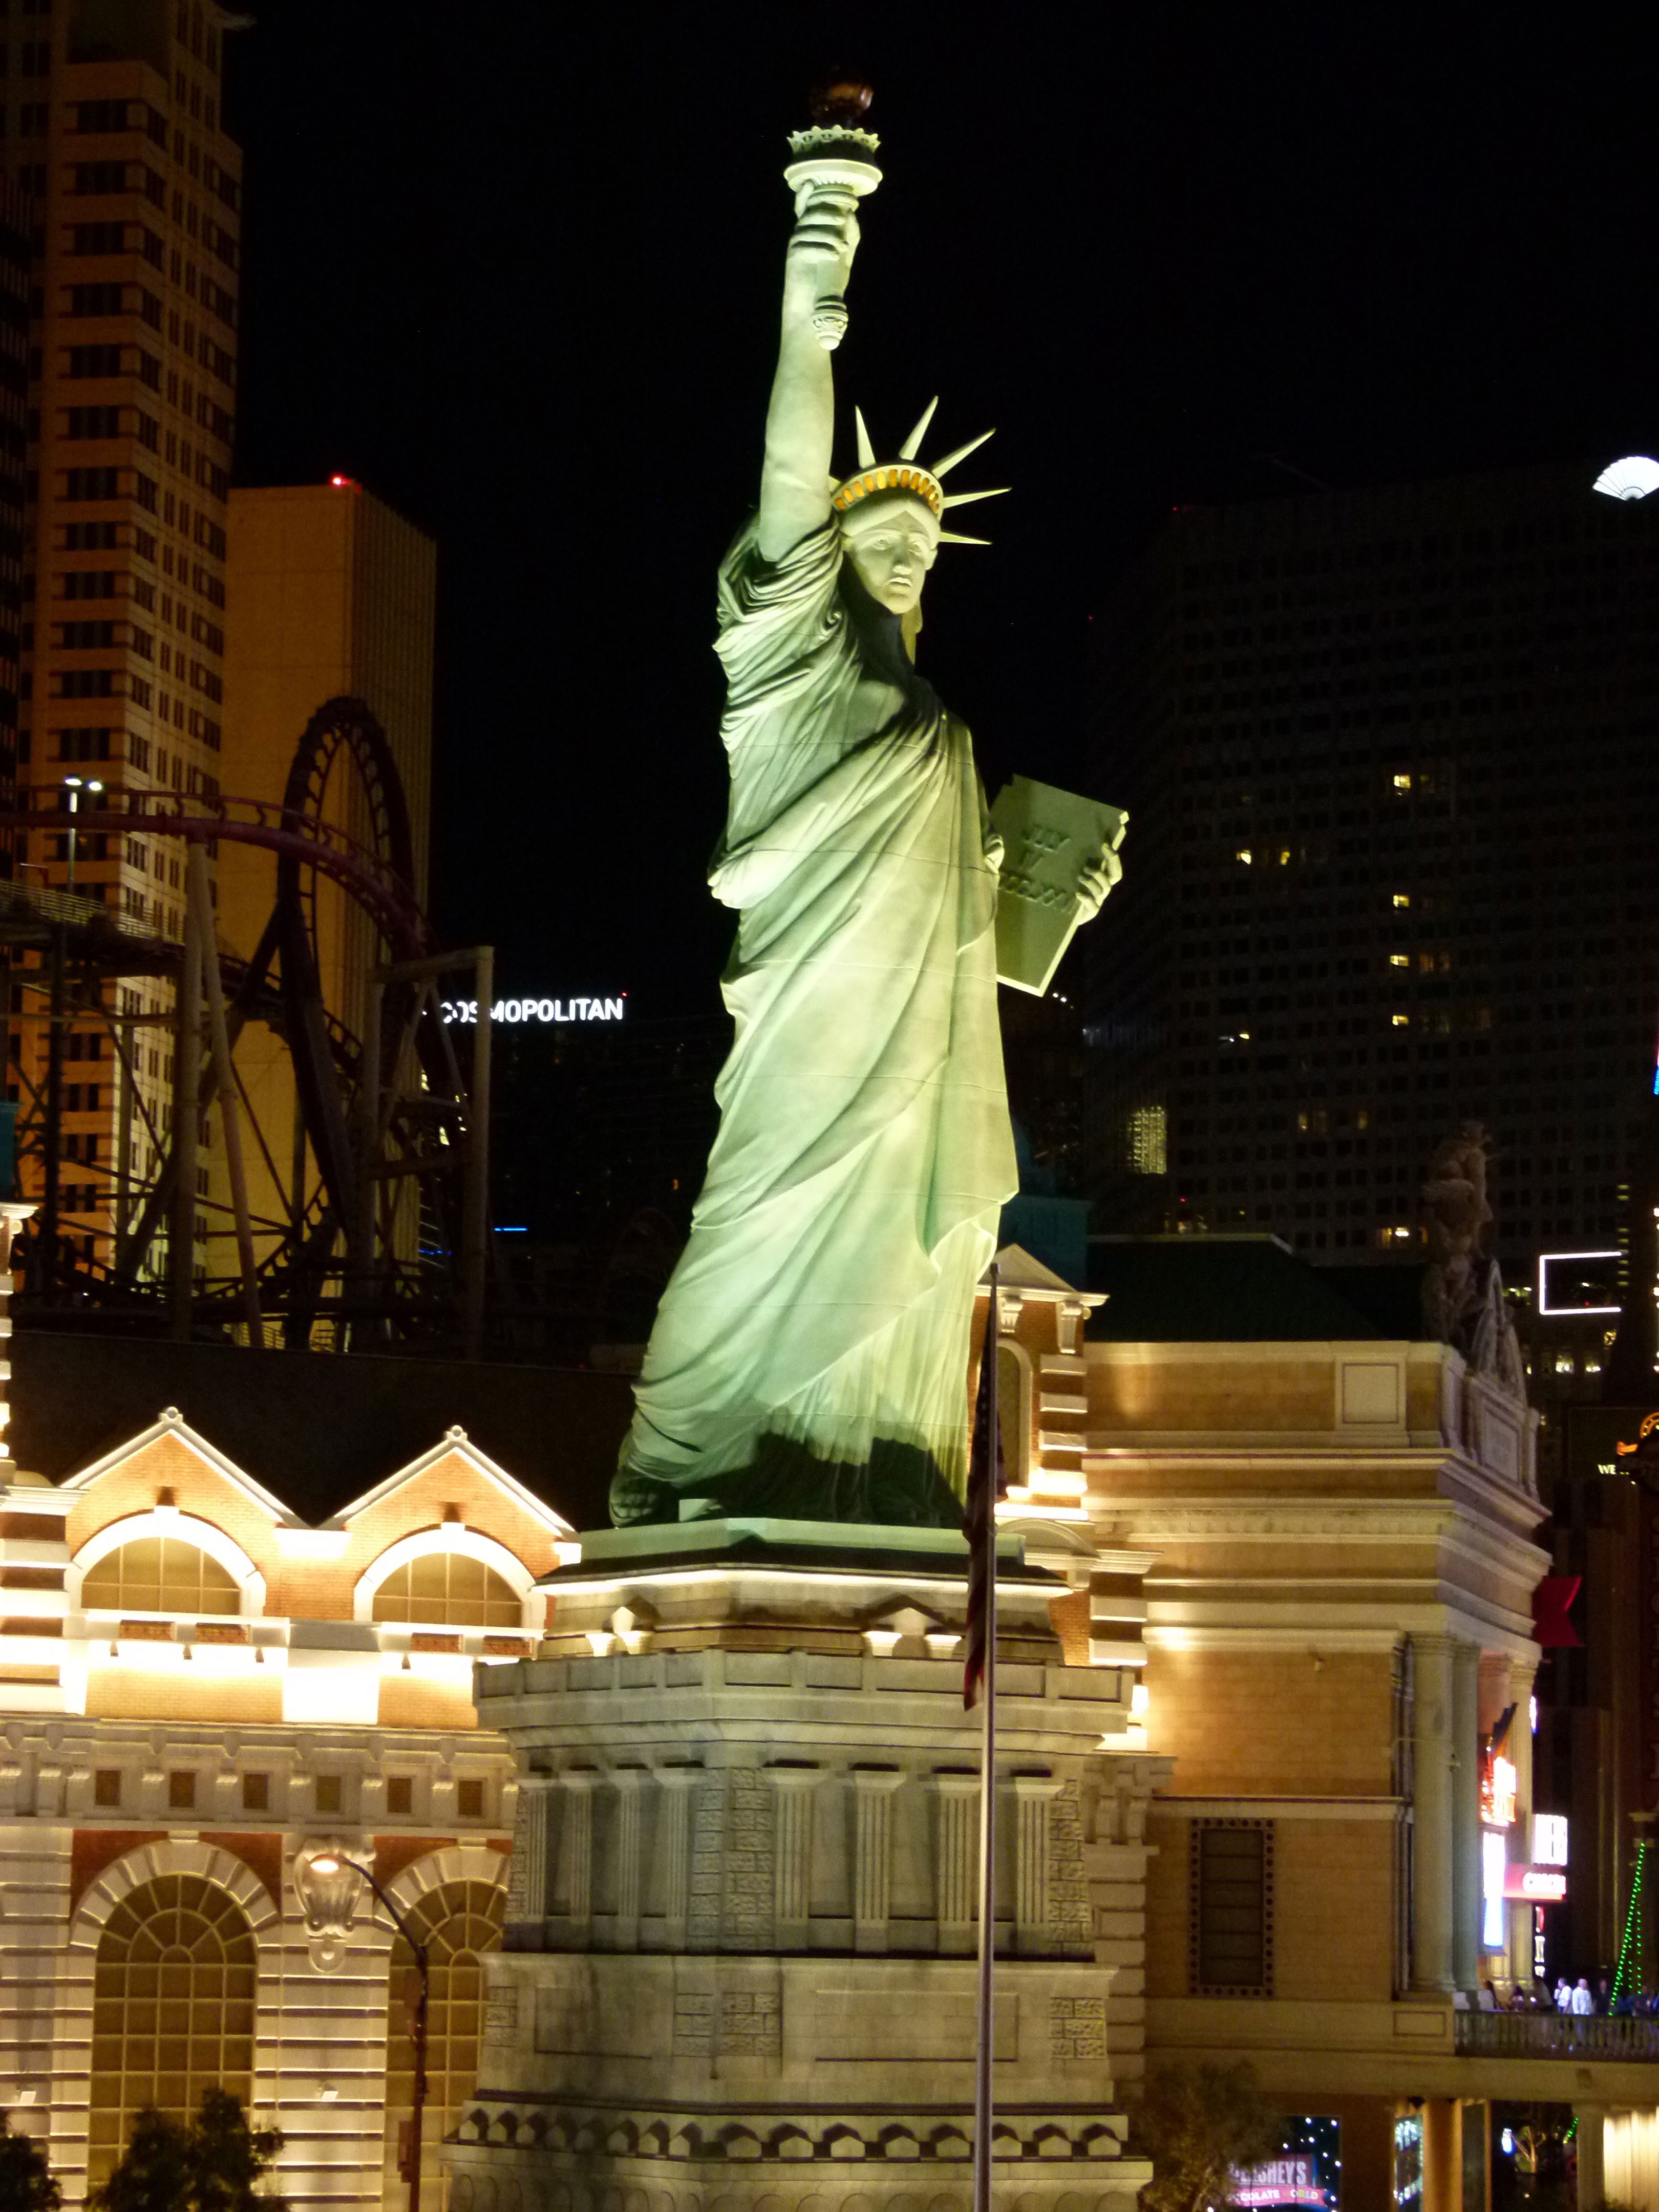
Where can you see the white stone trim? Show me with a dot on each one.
(1279, 1809)
(171, 1423)
(169, 1855)
(183, 1528)
(456, 1442)
(451, 1536)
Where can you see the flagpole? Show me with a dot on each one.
(985, 2055)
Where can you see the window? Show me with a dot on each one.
(469, 1799)
(85, 683)
(1231, 1908)
(94, 299)
(450, 1590)
(159, 1574)
(87, 636)
(91, 537)
(172, 2008)
(80, 744)
(328, 1792)
(181, 1791)
(89, 584)
(106, 1786)
(92, 484)
(457, 1922)
(101, 176)
(256, 1793)
(101, 115)
(97, 237)
(94, 361)
(400, 1796)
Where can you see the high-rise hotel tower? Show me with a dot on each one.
(112, 132)
(1391, 758)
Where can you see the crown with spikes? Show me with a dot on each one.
(908, 474)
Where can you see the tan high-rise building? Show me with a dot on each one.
(112, 132)
(331, 596)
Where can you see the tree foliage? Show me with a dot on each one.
(26, 2179)
(213, 2165)
(1199, 2125)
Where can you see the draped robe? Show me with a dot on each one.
(810, 1355)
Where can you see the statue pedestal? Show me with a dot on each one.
(742, 1913)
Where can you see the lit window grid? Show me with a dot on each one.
(458, 1923)
(160, 1575)
(448, 1589)
(173, 1995)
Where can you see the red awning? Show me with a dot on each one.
(1550, 1601)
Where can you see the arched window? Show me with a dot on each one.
(160, 1574)
(1014, 1411)
(171, 2008)
(457, 1922)
(451, 1589)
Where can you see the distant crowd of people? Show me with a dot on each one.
(1577, 1998)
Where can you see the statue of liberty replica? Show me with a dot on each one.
(809, 1357)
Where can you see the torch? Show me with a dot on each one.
(833, 161)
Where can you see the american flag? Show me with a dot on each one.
(988, 1484)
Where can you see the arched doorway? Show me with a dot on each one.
(457, 1922)
(172, 2008)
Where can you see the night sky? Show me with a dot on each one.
(516, 268)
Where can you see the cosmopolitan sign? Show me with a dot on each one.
(539, 1010)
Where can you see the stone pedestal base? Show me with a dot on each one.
(738, 1970)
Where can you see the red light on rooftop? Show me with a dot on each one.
(345, 483)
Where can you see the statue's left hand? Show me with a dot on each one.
(995, 850)
(1096, 880)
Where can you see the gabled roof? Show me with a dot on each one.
(170, 1422)
(453, 1443)
(316, 1428)
(1018, 1270)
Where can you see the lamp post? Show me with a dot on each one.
(75, 784)
(327, 1862)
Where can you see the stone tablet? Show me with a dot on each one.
(1049, 837)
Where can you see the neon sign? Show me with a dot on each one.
(551, 1011)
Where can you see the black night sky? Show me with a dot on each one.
(516, 268)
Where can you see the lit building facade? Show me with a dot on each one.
(133, 193)
(1389, 761)
(333, 596)
(200, 1691)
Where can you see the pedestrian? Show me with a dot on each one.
(1564, 1994)
(1581, 2004)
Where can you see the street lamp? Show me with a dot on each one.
(75, 784)
(330, 1862)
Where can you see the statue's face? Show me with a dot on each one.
(892, 541)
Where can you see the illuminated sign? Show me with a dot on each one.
(1578, 1283)
(1498, 1785)
(1633, 478)
(1536, 1885)
(1279, 2181)
(1549, 1840)
(539, 1009)
(1494, 1871)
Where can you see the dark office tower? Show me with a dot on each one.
(110, 126)
(15, 261)
(1392, 764)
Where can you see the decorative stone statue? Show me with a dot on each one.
(1462, 1290)
(810, 1355)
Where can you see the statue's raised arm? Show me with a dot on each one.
(801, 421)
(834, 172)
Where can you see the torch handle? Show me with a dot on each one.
(827, 192)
